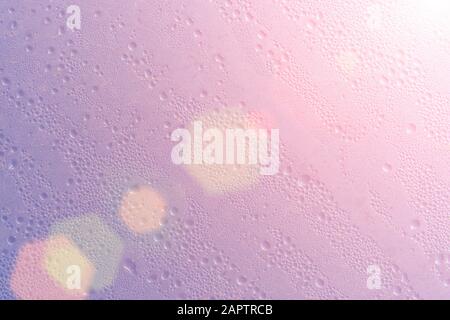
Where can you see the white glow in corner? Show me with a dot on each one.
(433, 8)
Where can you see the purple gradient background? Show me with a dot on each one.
(358, 89)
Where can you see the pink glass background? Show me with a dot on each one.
(358, 88)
